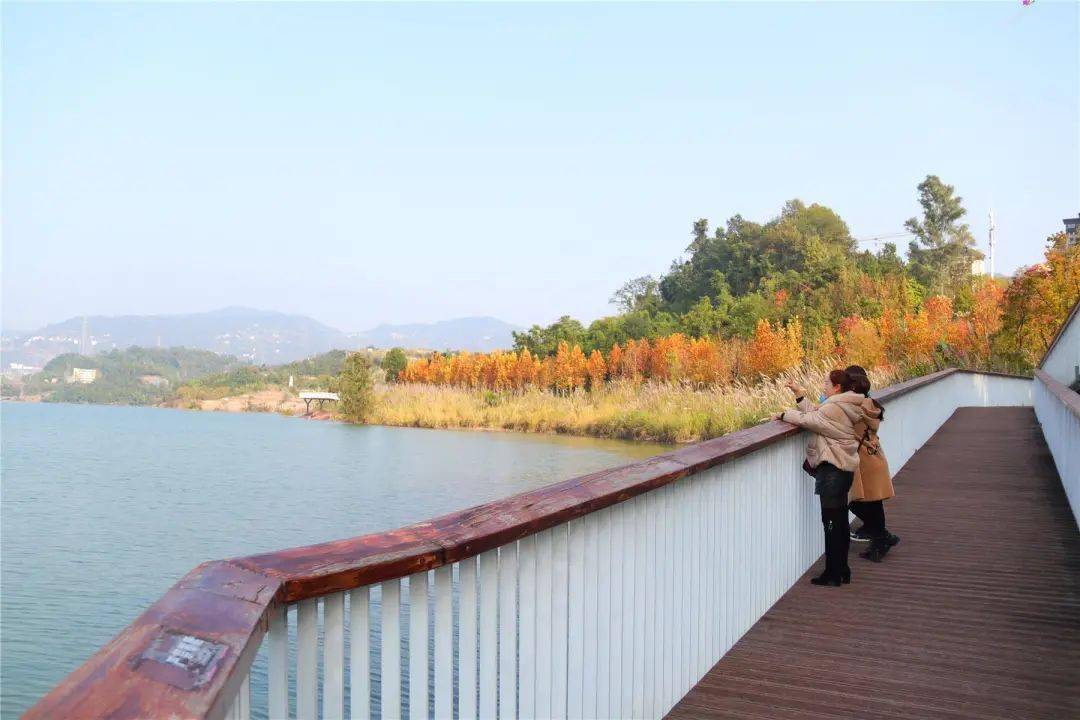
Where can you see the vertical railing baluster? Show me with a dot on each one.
(277, 651)
(693, 586)
(527, 632)
(686, 570)
(714, 562)
(418, 646)
(508, 635)
(467, 638)
(359, 654)
(615, 654)
(244, 705)
(603, 612)
(560, 581)
(668, 618)
(543, 624)
(629, 544)
(679, 599)
(390, 695)
(444, 642)
(640, 568)
(488, 572)
(575, 612)
(589, 634)
(334, 656)
(307, 647)
(640, 612)
(653, 600)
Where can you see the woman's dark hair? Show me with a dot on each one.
(860, 383)
(841, 378)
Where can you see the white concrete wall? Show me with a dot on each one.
(1064, 357)
(1061, 428)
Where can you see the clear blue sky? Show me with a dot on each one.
(369, 163)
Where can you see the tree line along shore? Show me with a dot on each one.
(697, 352)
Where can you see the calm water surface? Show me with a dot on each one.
(104, 508)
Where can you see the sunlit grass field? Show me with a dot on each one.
(656, 412)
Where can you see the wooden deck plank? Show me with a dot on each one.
(976, 614)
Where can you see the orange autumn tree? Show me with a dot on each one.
(597, 370)
(861, 342)
(772, 349)
(932, 336)
(1036, 303)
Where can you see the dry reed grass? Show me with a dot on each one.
(665, 412)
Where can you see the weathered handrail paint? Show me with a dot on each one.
(229, 602)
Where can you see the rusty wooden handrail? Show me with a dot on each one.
(226, 602)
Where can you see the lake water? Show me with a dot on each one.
(104, 508)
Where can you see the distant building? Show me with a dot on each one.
(84, 376)
(1072, 225)
(978, 267)
(20, 369)
(155, 380)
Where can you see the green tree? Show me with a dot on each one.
(703, 319)
(541, 341)
(355, 388)
(393, 363)
(941, 257)
(642, 293)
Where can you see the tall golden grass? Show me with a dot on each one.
(660, 412)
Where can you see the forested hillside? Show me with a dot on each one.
(751, 299)
(136, 376)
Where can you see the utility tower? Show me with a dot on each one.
(991, 242)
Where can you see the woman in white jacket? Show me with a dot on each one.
(832, 456)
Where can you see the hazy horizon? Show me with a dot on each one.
(22, 330)
(367, 164)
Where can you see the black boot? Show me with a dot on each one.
(880, 547)
(831, 575)
(841, 543)
(874, 553)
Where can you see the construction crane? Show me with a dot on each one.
(886, 238)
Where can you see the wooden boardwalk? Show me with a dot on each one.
(976, 614)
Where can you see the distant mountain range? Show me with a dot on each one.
(255, 336)
(476, 334)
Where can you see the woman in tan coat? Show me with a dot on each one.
(873, 482)
(832, 456)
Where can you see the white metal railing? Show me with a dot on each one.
(614, 614)
(1058, 411)
(604, 596)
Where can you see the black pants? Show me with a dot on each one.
(872, 513)
(834, 517)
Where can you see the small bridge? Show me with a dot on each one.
(675, 586)
(320, 397)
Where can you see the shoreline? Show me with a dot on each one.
(326, 416)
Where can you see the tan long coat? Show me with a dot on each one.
(872, 480)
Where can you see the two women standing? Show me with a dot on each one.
(849, 468)
(832, 457)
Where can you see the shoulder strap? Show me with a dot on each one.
(869, 442)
